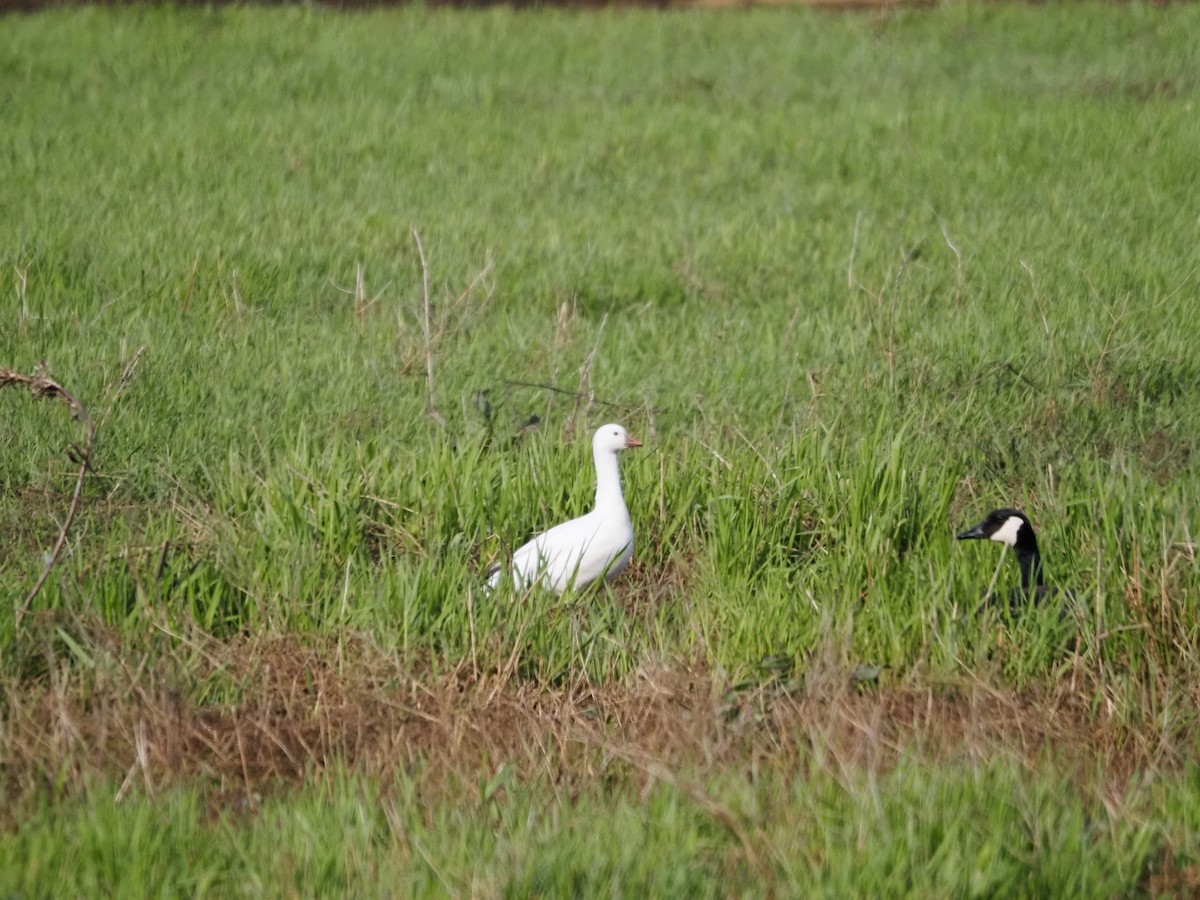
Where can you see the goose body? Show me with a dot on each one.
(1012, 528)
(598, 544)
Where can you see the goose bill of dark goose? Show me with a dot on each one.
(596, 545)
(1012, 528)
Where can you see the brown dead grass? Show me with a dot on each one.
(289, 709)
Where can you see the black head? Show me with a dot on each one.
(1008, 526)
(1011, 527)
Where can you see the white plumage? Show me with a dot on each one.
(597, 544)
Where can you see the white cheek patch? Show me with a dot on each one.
(1007, 533)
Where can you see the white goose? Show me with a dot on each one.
(597, 544)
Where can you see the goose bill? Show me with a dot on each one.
(973, 533)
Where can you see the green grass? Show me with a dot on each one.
(907, 834)
(855, 280)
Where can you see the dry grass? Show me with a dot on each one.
(288, 709)
(41, 386)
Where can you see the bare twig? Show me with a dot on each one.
(958, 269)
(462, 298)
(360, 291)
(562, 323)
(237, 295)
(1116, 323)
(722, 460)
(851, 281)
(1004, 367)
(187, 297)
(455, 315)
(557, 390)
(118, 387)
(427, 329)
(585, 378)
(362, 303)
(905, 258)
(1036, 297)
(40, 385)
(762, 459)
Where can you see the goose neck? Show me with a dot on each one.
(1030, 561)
(608, 480)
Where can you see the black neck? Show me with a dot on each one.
(1030, 561)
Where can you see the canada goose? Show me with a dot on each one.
(1011, 527)
(581, 550)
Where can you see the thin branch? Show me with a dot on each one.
(187, 297)
(479, 278)
(360, 291)
(362, 303)
(118, 388)
(40, 385)
(427, 327)
(958, 269)
(237, 295)
(557, 390)
(999, 367)
(1036, 298)
(905, 258)
(851, 281)
(585, 391)
(458, 314)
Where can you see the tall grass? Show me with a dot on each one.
(855, 280)
(903, 835)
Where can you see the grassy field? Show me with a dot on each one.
(344, 296)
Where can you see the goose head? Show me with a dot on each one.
(1011, 527)
(1008, 526)
(613, 438)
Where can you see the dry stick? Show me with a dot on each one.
(722, 460)
(878, 296)
(891, 350)
(123, 790)
(851, 281)
(457, 305)
(1116, 322)
(557, 390)
(118, 388)
(506, 672)
(360, 291)
(427, 329)
(766, 465)
(585, 378)
(187, 298)
(42, 386)
(241, 748)
(237, 295)
(470, 289)
(958, 269)
(457, 319)
(471, 622)
(142, 745)
(361, 302)
(1036, 299)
